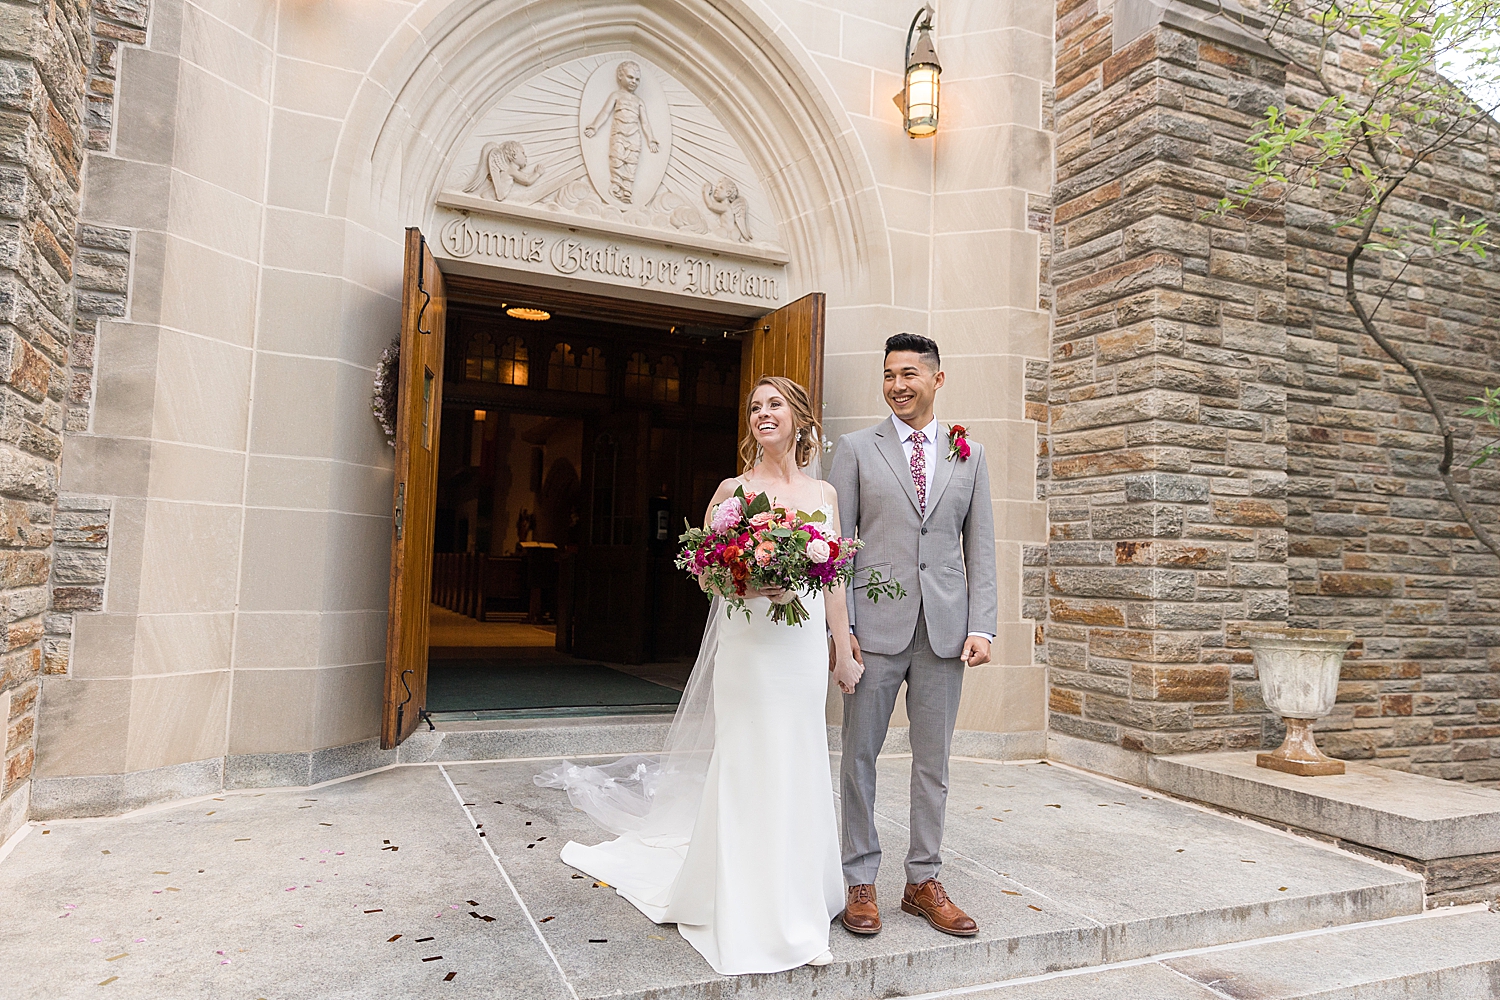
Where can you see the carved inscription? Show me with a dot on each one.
(690, 274)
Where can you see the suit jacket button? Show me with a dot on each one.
(923, 566)
(924, 531)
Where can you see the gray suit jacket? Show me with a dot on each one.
(946, 561)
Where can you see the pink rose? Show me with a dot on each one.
(728, 514)
(818, 551)
(762, 519)
(764, 551)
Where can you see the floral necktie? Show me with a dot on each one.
(919, 470)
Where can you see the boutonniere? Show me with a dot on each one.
(958, 443)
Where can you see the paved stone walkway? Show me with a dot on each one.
(443, 880)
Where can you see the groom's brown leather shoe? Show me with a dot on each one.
(861, 915)
(930, 901)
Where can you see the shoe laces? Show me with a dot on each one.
(939, 895)
(864, 894)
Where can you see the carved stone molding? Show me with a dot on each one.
(614, 139)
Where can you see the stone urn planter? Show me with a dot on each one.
(1299, 681)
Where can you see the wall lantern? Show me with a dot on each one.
(918, 100)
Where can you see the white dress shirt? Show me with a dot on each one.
(929, 452)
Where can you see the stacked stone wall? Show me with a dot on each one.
(1222, 444)
(1165, 450)
(1375, 543)
(43, 48)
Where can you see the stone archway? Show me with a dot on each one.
(422, 98)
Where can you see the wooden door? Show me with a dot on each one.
(787, 342)
(419, 409)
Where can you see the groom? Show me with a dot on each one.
(918, 495)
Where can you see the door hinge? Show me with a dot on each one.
(400, 509)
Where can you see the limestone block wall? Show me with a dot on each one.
(1166, 436)
(41, 151)
(1375, 543)
(250, 172)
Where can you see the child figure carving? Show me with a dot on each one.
(724, 200)
(628, 123)
(502, 165)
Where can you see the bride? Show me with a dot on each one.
(730, 833)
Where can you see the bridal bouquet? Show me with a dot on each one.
(751, 543)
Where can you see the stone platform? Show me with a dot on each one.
(382, 886)
(1446, 831)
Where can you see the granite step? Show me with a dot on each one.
(1062, 869)
(445, 878)
(1449, 954)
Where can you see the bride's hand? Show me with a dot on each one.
(778, 595)
(847, 672)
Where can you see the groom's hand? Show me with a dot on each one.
(976, 651)
(833, 656)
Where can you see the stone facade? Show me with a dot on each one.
(42, 49)
(1375, 543)
(1223, 446)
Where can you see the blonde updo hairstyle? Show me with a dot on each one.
(809, 431)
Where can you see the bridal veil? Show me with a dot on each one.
(655, 798)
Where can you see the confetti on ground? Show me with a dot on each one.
(373, 911)
(118, 957)
(240, 840)
(1036, 908)
(449, 977)
(325, 824)
(1053, 805)
(598, 940)
(161, 873)
(434, 958)
(420, 940)
(95, 940)
(1010, 892)
(1282, 889)
(103, 852)
(1243, 861)
(388, 940)
(545, 919)
(109, 980)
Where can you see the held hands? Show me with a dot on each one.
(976, 651)
(848, 671)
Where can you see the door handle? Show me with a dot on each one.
(400, 509)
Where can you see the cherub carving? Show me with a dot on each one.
(724, 200)
(502, 165)
(628, 123)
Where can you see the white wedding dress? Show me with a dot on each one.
(738, 844)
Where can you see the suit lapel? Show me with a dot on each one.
(890, 449)
(941, 471)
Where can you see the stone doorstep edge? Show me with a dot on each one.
(1458, 880)
(76, 797)
(1426, 840)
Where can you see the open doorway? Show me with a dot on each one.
(544, 467)
(570, 453)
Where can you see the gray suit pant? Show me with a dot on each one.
(933, 686)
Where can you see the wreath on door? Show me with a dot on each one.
(387, 382)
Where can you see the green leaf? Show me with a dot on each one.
(739, 491)
(759, 505)
(816, 517)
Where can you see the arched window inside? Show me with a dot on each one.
(479, 359)
(513, 368)
(592, 376)
(716, 387)
(666, 381)
(638, 376)
(562, 369)
(571, 372)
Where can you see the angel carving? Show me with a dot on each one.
(729, 207)
(502, 165)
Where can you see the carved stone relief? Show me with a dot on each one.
(613, 137)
